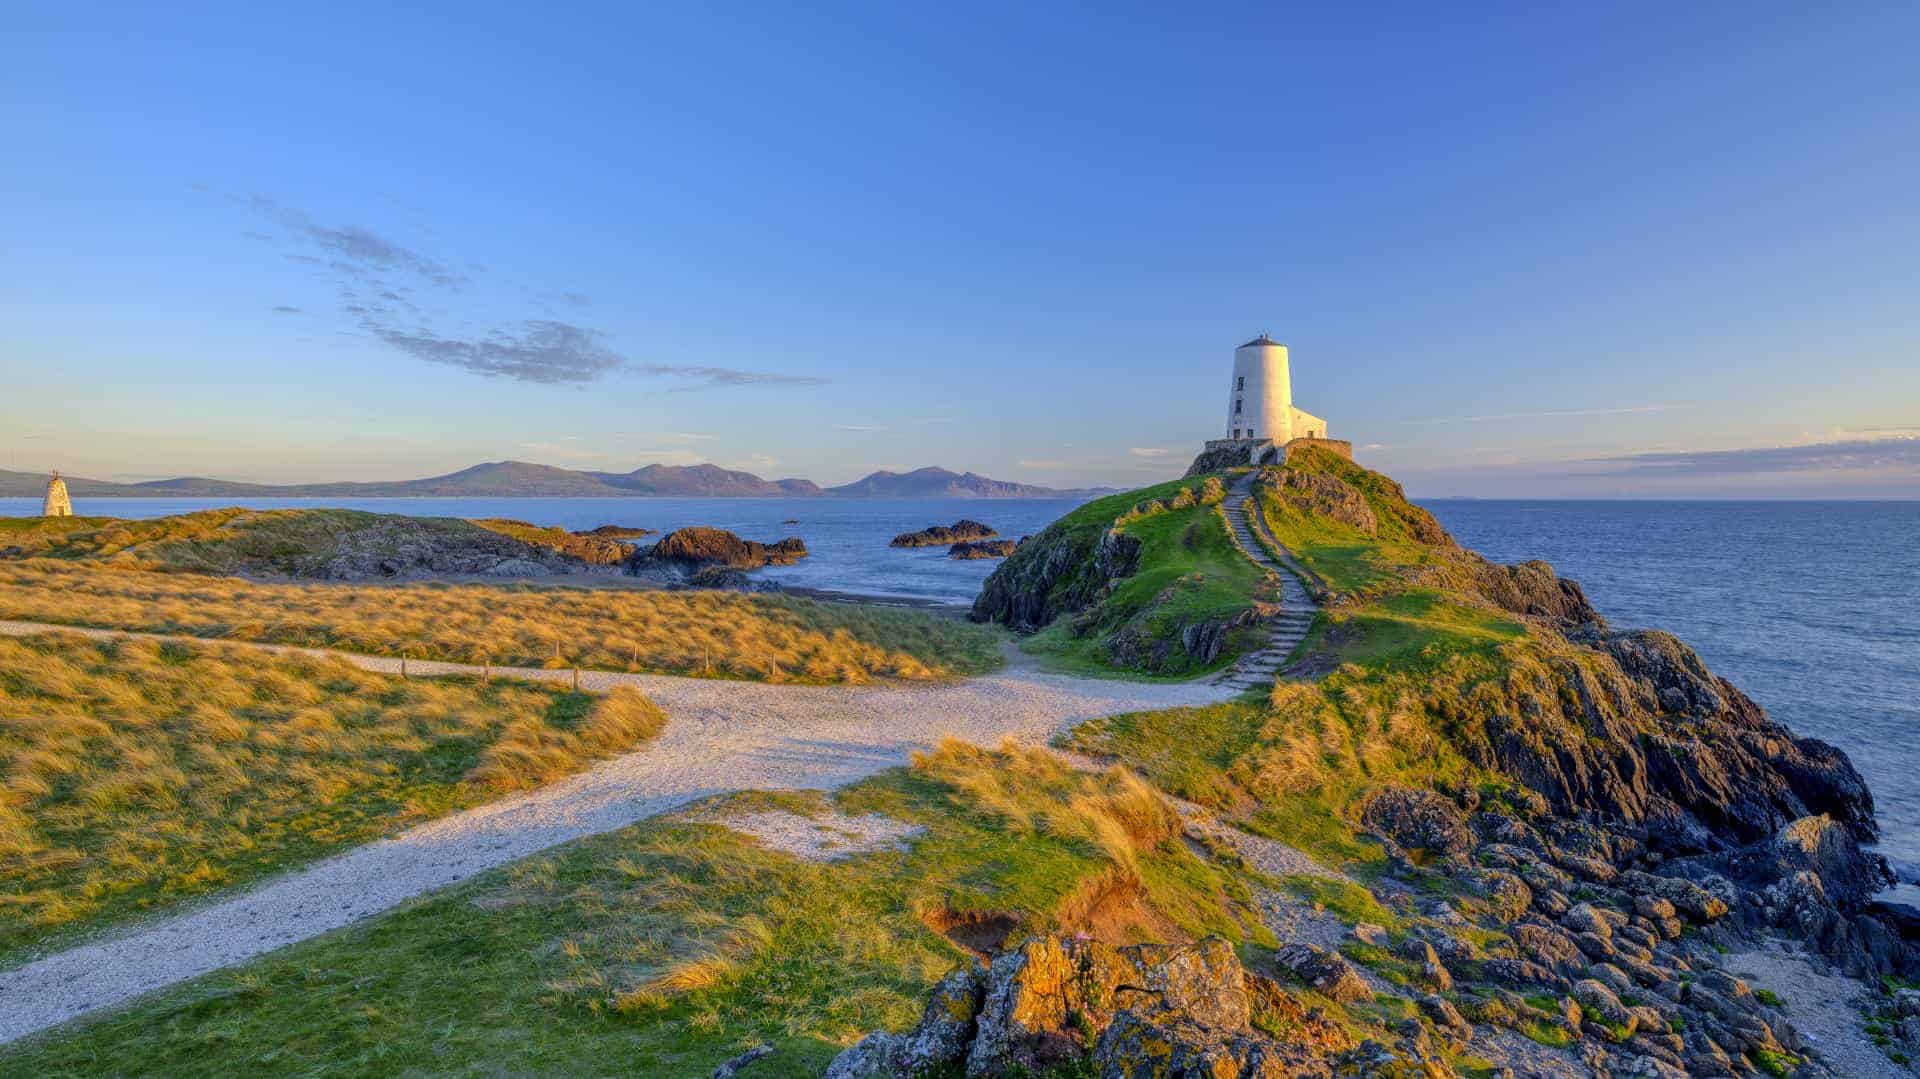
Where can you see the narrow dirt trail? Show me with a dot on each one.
(721, 736)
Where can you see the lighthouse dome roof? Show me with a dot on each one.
(1262, 341)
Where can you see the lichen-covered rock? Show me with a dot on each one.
(1417, 821)
(1328, 972)
(1532, 588)
(1323, 495)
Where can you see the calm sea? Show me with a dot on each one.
(1812, 608)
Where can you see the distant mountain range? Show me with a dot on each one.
(519, 479)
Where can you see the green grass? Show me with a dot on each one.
(1190, 572)
(668, 947)
(138, 774)
(1351, 902)
(1415, 630)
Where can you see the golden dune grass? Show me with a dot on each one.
(722, 635)
(135, 772)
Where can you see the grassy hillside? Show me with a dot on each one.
(707, 634)
(1125, 583)
(138, 774)
(302, 543)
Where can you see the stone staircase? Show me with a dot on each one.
(1297, 605)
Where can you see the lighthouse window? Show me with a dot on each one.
(1236, 406)
(1240, 383)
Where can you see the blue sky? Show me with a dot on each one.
(1618, 250)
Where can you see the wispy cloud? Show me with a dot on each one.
(377, 276)
(1878, 455)
(1629, 410)
(856, 427)
(1148, 451)
(357, 249)
(283, 309)
(541, 351)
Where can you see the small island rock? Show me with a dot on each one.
(945, 535)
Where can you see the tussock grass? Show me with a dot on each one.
(134, 773)
(670, 946)
(720, 635)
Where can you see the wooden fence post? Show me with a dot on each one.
(576, 679)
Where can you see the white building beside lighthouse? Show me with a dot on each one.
(1260, 407)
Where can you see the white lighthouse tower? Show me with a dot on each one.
(1260, 406)
(1262, 422)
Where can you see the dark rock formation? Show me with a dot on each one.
(685, 554)
(1217, 460)
(1532, 588)
(616, 532)
(1058, 571)
(944, 535)
(1412, 821)
(976, 549)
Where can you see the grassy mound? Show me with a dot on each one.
(1147, 582)
(720, 635)
(138, 773)
(321, 543)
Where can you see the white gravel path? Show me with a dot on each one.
(721, 736)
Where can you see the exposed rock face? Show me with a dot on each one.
(943, 535)
(1218, 460)
(1140, 1011)
(616, 532)
(977, 549)
(1056, 572)
(684, 554)
(1644, 735)
(1328, 496)
(1532, 588)
(1417, 820)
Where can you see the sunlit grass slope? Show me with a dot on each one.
(722, 635)
(137, 773)
(1189, 572)
(668, 947)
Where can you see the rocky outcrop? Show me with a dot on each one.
(1325, 495)
(1417, 821)
(1061, 570)
(1139, 1011)
(977, 549)
(685, 554)
(1218, 459)
(944, 535)
(1532, 588)
(616, 532)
